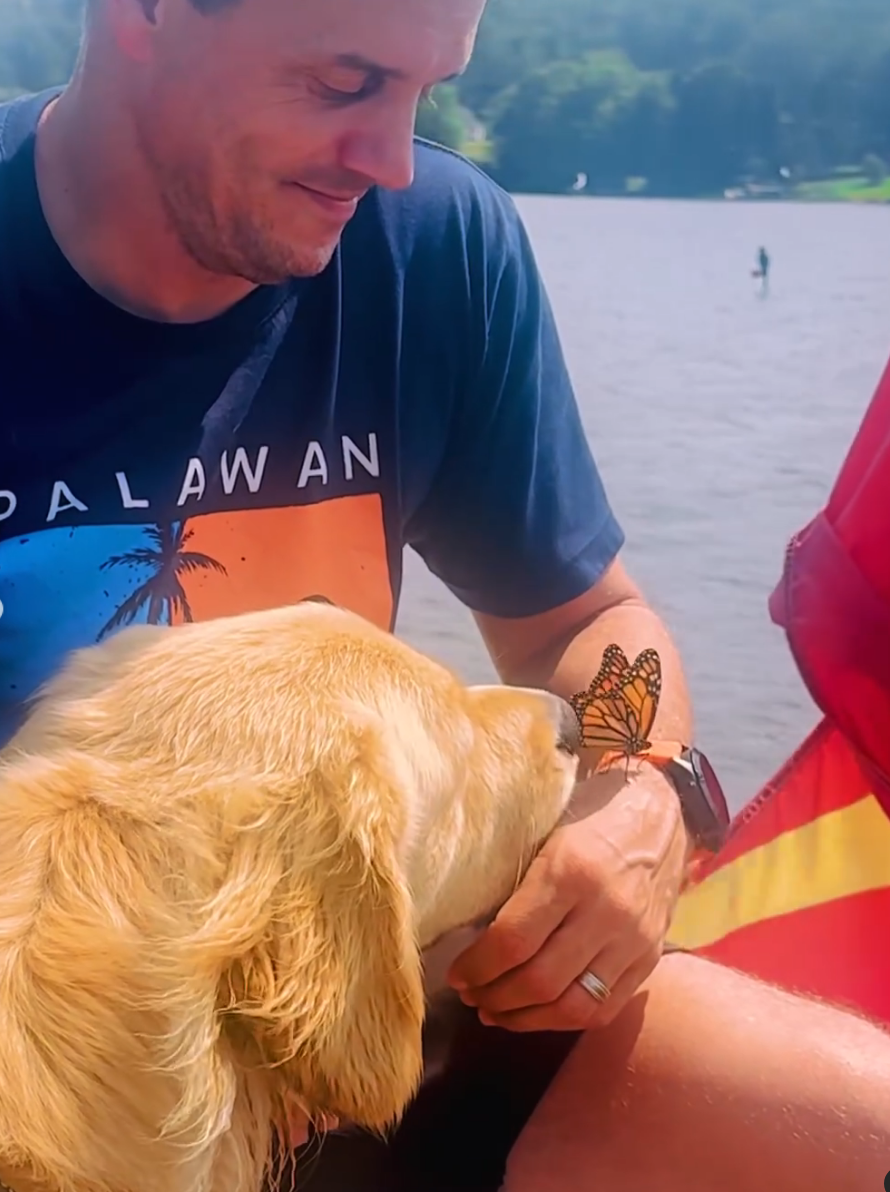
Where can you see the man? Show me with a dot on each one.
(255, 342)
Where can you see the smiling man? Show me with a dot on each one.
(256, 341)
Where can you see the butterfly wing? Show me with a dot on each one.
(640, 693)
(610, 674)
(604, 724)
(620, 717)
(612, 669)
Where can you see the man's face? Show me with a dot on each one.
(265, 121)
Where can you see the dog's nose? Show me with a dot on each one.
(567, 727)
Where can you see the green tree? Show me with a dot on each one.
(874, 168)
(442, 119)
(875, 112)
(38, 43)
(802, 84)
(596, 115)
(725, 127)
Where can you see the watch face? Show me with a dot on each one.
(710, 785)
(704, 804)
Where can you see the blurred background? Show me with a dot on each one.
(653, 148)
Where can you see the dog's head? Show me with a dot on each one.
(507, 759)
(337, 800)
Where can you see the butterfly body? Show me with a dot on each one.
(617, 711)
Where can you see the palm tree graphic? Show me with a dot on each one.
(162, 591)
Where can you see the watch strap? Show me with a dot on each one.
(703, 804)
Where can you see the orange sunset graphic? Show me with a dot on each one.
(220, 564)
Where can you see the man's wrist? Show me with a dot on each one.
(650, 778)
(659, 782)
(703, 805)
(641, 770)
(654, 777)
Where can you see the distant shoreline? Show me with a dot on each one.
(797, 196)
(844, 187)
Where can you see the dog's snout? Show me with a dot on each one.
(568, 730)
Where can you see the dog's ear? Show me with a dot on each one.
(333, 993)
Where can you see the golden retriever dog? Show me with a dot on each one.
(223, 849)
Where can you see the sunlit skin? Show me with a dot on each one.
(202, 154)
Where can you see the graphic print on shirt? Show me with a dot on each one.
(83, 584)
(69, 587)
(222, 564)
(251, 520)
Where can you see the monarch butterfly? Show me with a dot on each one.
(617, 711)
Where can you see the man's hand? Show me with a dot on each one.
(599, 897)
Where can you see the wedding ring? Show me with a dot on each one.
(591, 983)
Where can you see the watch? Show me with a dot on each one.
(704, 807)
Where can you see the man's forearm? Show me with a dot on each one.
(634, 627)
(562, 649)
(568, 665)
(712, 1082)
(605, 884)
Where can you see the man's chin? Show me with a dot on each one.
(278, 268)
(313, 263)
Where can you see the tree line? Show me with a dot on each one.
(681, 97)
(677, 97)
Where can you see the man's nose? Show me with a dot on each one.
(383, 151)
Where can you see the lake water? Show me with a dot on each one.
(718, 418)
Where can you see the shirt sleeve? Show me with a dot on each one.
(517, 520)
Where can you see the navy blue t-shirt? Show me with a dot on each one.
(413, 393)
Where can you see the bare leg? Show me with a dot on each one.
(711, 1082)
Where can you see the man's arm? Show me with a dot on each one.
(517, 523)
(712, 1082)
(561, 649)
(602, 890)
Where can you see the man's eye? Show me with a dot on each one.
(349, 91)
